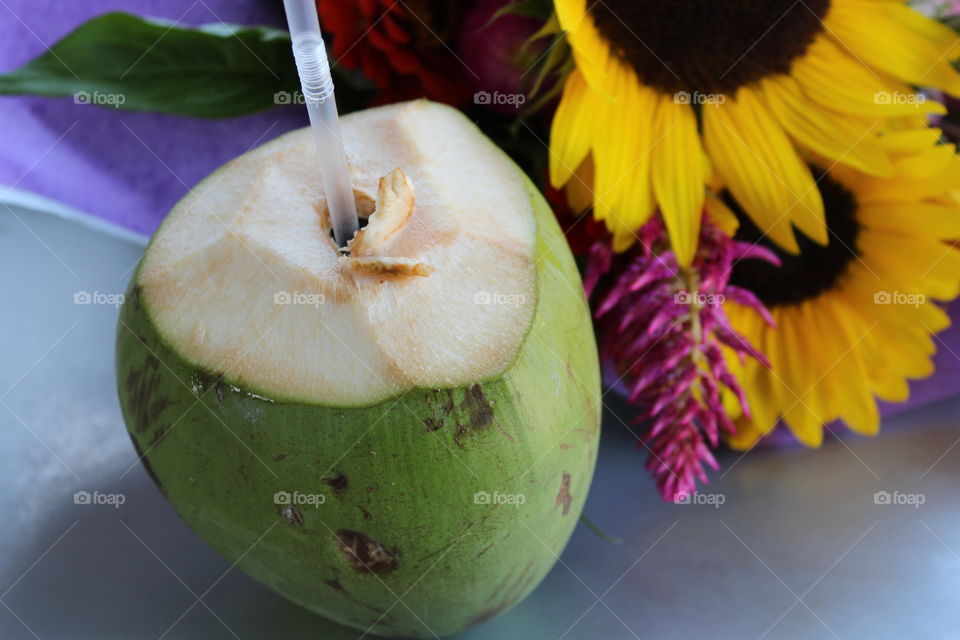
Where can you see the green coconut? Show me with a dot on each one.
(400, 439)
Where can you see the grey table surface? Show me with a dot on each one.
(799, 547)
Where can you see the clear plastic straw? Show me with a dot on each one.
(314, 69)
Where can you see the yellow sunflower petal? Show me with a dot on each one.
(678, 175)
(902, 354)
(912, 141)
(879, 191)
(720, 215)
(837, 363)
(579, 190)
(926, 219)
(819, 394)
(880, 34)
(623, 239)
(590, 50)
(887, 383)
(787, 394)
(932, 318)
(835, 79)
(572, 129)
(800, 413)
(878, 299)
(938, 35)
(623, 195)
(900, 320)
(888, 276)
(745, 437)
(762, 170)
(929, 164)
(846, 139)
(570, 12)
(912, 122)
(931, 268)
(899, 335)
(860, 409)
(764, 411)
(736, 364)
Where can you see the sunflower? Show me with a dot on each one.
(853, 320)
(667, 96)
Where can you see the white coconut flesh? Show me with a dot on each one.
(439, 289)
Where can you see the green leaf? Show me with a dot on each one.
(597, 531)
(540, 9)
(121, 61)
(558, 63)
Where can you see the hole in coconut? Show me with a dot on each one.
(365, 208)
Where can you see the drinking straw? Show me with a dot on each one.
(314, 69)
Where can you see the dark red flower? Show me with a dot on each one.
(494, 46)
(402, 46)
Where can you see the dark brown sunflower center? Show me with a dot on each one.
(708, 46)
(816, 268)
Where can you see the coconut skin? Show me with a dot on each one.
(419, 532)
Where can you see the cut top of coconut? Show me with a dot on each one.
(438, 290)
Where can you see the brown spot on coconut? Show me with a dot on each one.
(563, 496)
(364, 554)
(337, 483)
(441, 406)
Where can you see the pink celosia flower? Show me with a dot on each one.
(662, 328)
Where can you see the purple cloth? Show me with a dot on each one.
(129, 168)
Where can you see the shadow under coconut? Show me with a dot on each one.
(137, 571)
